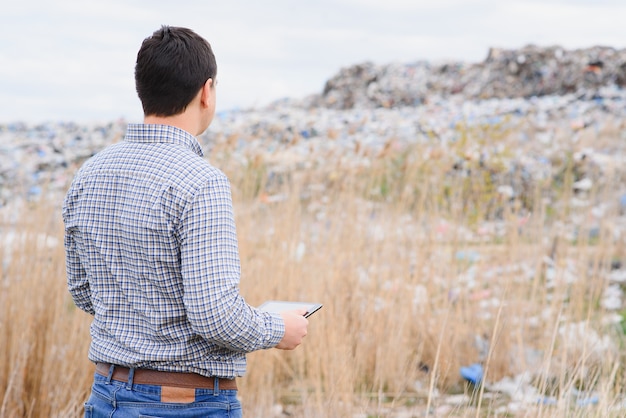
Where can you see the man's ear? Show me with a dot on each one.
(207, 91)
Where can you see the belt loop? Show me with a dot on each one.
(110, 376)
(216, 386)
(131, 375)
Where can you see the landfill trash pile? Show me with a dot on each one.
(526, 72)
(38, 160)
(535, 139)
(535, 134)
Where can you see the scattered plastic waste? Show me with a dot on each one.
(473, 373)
(593, 400)
(34, 159)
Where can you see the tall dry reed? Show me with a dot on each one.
(421, 269)
(44, 337)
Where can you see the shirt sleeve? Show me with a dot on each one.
(210, 267)
(77, 282)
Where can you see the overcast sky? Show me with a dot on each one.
(73, 60)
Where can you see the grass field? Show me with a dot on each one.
(422, 269)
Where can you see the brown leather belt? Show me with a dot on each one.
(158, 378)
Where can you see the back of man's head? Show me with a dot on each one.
(172, 66)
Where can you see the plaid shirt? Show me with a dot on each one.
(151, 253)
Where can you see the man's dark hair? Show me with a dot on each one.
(172, 65)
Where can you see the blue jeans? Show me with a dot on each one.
(114, 399)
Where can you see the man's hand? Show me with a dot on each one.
(295, 329)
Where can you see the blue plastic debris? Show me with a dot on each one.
(473, 373)
(593, 400)
(471, 256)
(34, 191)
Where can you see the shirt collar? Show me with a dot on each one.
(137, 132)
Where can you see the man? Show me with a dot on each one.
(152, 253)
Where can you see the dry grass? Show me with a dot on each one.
(410, 294)
(43, 356)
